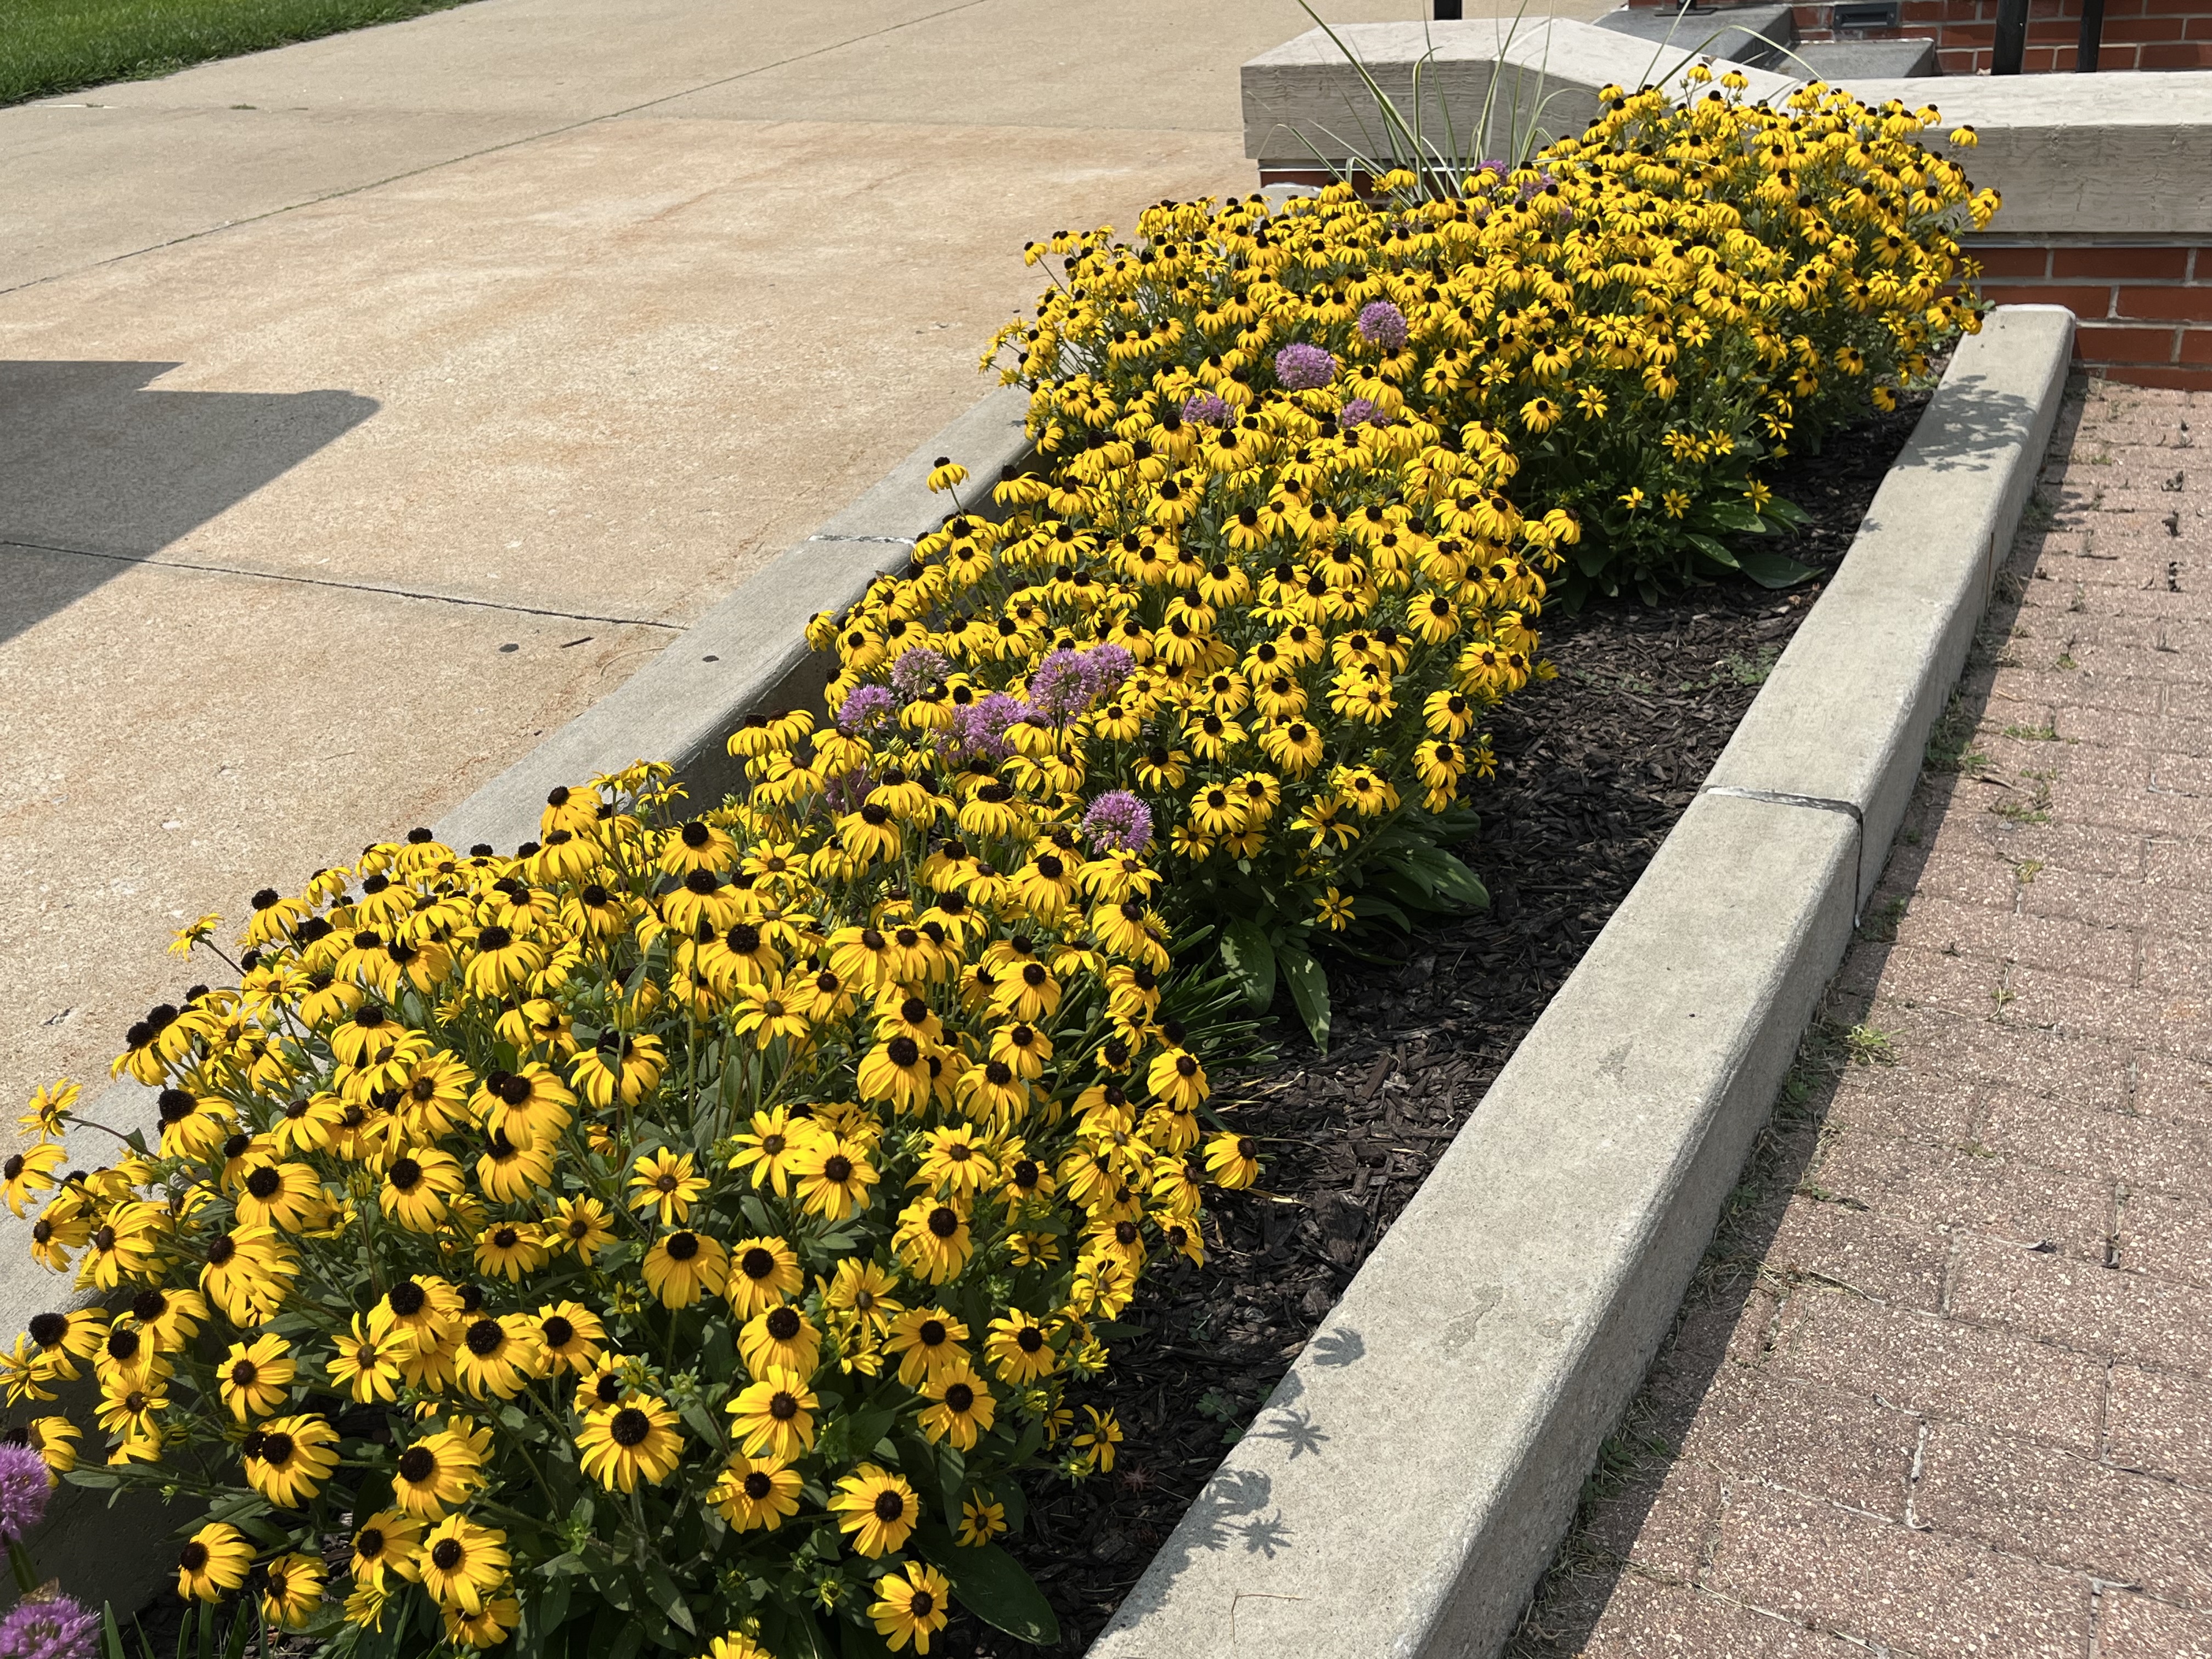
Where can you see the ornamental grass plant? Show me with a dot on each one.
(688, 1232)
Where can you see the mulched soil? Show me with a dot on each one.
(1594, 768)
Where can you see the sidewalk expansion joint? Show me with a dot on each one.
(325, 581)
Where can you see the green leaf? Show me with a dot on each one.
(1250, 961)
(1712, 550)
(861, 1641)
(1451, 880)
(1373, 907)
(1735, 515)
(991, 1584)
(1787, 513)
(1308, 984)
(669, 1599)
(1773, 569)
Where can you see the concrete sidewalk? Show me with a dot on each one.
(1944, 1385)
(369, 406)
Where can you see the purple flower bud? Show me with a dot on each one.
(918, 669)
(1118, 822)
(865, 705)
(1207, 410)
(1383, 324)
(1359, 411)
(57, 1627)
(25, 1486)
(1303, 367)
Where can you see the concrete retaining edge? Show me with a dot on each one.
(746, 653)
(1408, 1481)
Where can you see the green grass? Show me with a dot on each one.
(49, 46)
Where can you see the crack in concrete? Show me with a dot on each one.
(494, 149)
(325, 582)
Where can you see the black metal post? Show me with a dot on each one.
(2012, 37)
(1448, 11)
(2092, 33)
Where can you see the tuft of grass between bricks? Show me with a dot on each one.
(52, 46)
(1637, 1452)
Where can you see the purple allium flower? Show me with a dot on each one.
(25, 1486)
(1207, 410)
(1063, 686)
(57, 1629)
(1303, 367)
(1359, 411)
(918, 669)
(1109, 665)
(865, 705)
(1118, 822)
(980, 727)
(1383, 324)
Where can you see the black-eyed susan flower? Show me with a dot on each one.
(287, 1459)
(878, 1509)
(462, 1564)
(925, 1340)
(756, 1493)
(488, 1627)
(682, 1266)
(639, 1439)
(961, 1406)
(776, 1415)
(582, 1225)
(417, 1188)
(763, 1272)
(213, 1562)
(256, 1378)
(833, 1176)
(387, 1546)
(1097, 1442)
(781, 1338)
(436, 1474)
(1232, 1160)
(570, 1336)
(768, 1149)
(665, 1183)
(910, 1607)
(292, 1589)
(1020, 1349)
(932, 1238)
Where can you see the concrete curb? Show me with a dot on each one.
(746, 653)
(1409, 1480)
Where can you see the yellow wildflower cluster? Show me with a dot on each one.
(713, 1210)
(1306, 475)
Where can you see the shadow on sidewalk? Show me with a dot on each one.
(99, 469)
(1727, 1314)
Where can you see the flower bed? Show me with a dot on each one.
(687, 1231)
(1593, 768)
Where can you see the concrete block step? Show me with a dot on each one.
(1741, 34)
(1842, 62)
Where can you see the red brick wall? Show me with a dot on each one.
(2138, 34)
(2145, 310)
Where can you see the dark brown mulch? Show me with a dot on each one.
(1594, 768)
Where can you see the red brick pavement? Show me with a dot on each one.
(1945, 1386)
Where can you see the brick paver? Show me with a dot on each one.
(1945, 1386)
